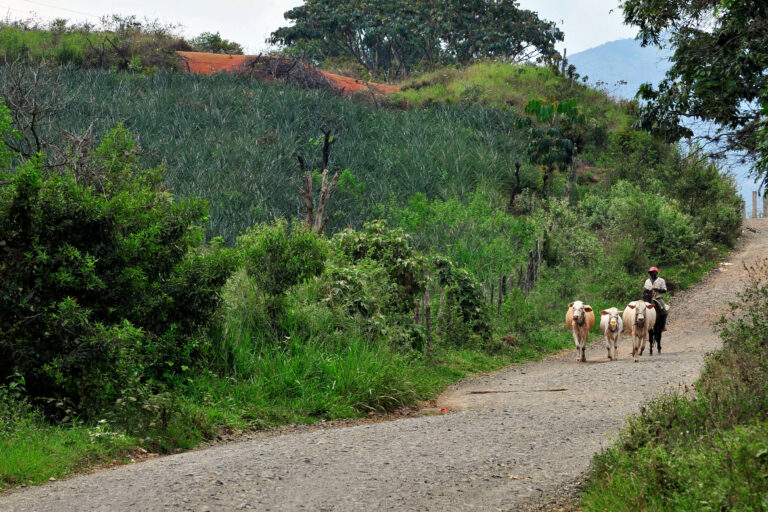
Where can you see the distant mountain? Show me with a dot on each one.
(608, 64)
(626, 60)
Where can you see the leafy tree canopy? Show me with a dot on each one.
(718, 71)
(391, 36)
(213, 43)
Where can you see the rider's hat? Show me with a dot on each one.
(653, 269)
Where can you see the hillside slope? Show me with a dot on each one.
(209, 63)
(512, 440)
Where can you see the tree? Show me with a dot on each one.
(213, 43)
(558, 130)
(719, 72)
(104, 278)
(495, 29)
(315, 217)
(390, 37)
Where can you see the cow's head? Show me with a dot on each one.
(640, 308)
(613, 318)
(579, 310)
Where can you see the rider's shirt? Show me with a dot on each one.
(658, 285)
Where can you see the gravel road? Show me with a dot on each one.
(519, 447)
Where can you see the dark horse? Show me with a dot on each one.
(661, 319)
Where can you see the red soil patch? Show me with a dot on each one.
(209, 63)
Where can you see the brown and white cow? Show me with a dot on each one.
(612, 326)
(580, 318)
(639, 318)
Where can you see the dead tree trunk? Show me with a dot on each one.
(316, 218)
(502, 285)
(516, 189)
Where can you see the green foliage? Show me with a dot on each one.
(570, 242)
(122, 43)
(703, 451)
(393, 250)
(8, 131)
(213, 43)
(478, 235)
(277, 257)
(390, 38)
(653, 225)
(502, 85)
(465, 315)
(100, 285)
(717, 72)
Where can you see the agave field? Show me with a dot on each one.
(234, 141)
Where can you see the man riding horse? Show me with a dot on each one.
(653, 290)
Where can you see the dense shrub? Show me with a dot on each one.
(393, 250)
(102, 284)
(642, 226)
(477, 234)
(277, 256)
(465, 317)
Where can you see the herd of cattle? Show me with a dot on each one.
(638, 318)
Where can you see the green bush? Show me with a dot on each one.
(100, 284)
(477, 234)
(642, 226)
(277, 256)
(465, 318)
(393, 250)
(568, 241)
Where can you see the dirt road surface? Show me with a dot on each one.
(521, 447)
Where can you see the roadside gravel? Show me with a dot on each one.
(508, 441)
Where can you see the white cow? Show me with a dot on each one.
(612, 326)
(580, 318)
(639, 318)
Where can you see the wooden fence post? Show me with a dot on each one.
(765, 205)
(754, 204)
(538, 256)
(428, 314)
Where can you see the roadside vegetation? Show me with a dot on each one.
(158, 286)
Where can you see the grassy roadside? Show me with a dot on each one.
(299, 383)
(34, 451)
(706, 449)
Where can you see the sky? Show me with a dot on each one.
(586, 23)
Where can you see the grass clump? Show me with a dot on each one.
(33, 450)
